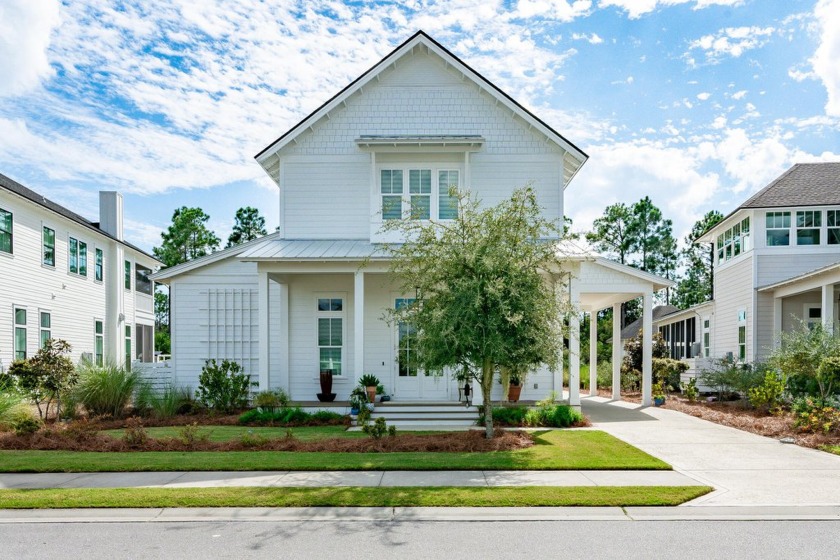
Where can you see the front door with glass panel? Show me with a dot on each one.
(411, 382)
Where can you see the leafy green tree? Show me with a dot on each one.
(47, 376)
(651, 237)
(611, 233)
(187, 238)
(486, 295)
(697, 284)
(248, 225)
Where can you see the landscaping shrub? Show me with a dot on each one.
(191, 435)
(770, 394)
(729, 377)
(47, 377)
(668, 371)
(547, 415)
(135, 433)
(224, 387)
(290, 416)
(690, 390)
(106, 389)
(817, 416)
(376, 430)
(164, 403)
(11, 405)
(801, 355)
(271, 399)
(26, 425)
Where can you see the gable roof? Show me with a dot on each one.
(659, 311)
(16, 188)
(421, 38)
(804, 184)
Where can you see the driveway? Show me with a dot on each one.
(746, 469)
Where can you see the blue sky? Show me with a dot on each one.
(696, 103)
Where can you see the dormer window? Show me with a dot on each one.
(778, 228)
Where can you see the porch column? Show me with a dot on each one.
(263, 303)
(616, 353)
(285, 378)
(574, 350)
(593, 353)
(647, 349)
(358, 324)
(828, 307)
(777, 321)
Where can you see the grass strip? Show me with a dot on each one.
(553, 450)
(506, 496)
(831, 449)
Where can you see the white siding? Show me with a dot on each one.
(73, 301)
(733, 292)
(326, 179)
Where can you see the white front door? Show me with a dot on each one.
(411, 382)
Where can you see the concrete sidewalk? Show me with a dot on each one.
(744, 468)
(344, 478)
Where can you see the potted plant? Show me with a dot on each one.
(326, 394)
(370, 382)
(659, 393)
(358, 399)
(515, 387)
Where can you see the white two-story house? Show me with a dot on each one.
(777, 264)
(300, 301)
(65, 277)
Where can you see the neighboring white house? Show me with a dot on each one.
(299, 301)
(777, 262)
(64, 277)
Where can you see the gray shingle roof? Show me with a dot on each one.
(633, 328)
(13, 186)
(804, 184)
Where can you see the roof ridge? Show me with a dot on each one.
(768, 187)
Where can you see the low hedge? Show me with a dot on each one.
(291, 416)
(546, 416)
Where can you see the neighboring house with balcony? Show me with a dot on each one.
(311, 297)
(65, 277)
(777, 263)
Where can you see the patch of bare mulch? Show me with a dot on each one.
(90, 439)
(735, 415)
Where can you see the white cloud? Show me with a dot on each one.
(554, 9)
(730, 41)
(739, 94)
(827, 55)
(593, 39)
(25, 30)
(704, 96)
(719, 122)
(637, 8)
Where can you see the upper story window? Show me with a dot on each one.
(5, 231)
(98, 268)
(20, 333)
(428, 193)
(78, 257)
(734, 241)
(832, 219)
(49, 246)
(127, 275)
(808, 224)
(141, 279)
(778, 228)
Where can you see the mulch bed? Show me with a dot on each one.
(87, 438)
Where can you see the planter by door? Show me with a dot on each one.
(514, 391)
(326, 394)
(371, 393)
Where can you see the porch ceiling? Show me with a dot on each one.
(593, 301)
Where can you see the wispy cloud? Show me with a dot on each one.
(729, 42)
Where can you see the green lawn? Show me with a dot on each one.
(554, 450)
(225, 433)
(831, 449)
(352, 496)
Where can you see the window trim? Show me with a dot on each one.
(137, 289)
(780, 214)
(41, 328)
(20, 326)
(816, 216)
(835, 214)
(98, 359)
(734, 241)
(78, 254)
(128, 346)
(44, 229)
(742, 327)
(127, 271)
(98, 267)
(331, 315)
(11, 233)
(406, 195)
(707, 335)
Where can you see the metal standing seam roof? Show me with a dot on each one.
(314, 249)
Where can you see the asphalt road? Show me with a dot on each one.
(570, 540)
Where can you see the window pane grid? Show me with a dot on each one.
(5, 231)
(330, 334)
(49, 246)
(74, 256)
(448, 204)
(98, 265)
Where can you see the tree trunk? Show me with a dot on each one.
(505, 371)
(486, 387)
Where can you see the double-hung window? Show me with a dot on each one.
(778, 228)
(832, 219)
(127, 275)
(46, 327)
(808, 224)
(128, 346)
(98, 343)
(49, 246)
(447, 199)
(420, 190)
(707, 338)
(391, 187)
(5, 231)
(330, 319)
(78, 257)
(20, 333)
(98, 265)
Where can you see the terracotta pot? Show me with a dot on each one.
(371, 394)
(514, 391)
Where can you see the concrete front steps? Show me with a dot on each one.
(431, 415)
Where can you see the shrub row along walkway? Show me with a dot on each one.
(744, 468)
(344, 478)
